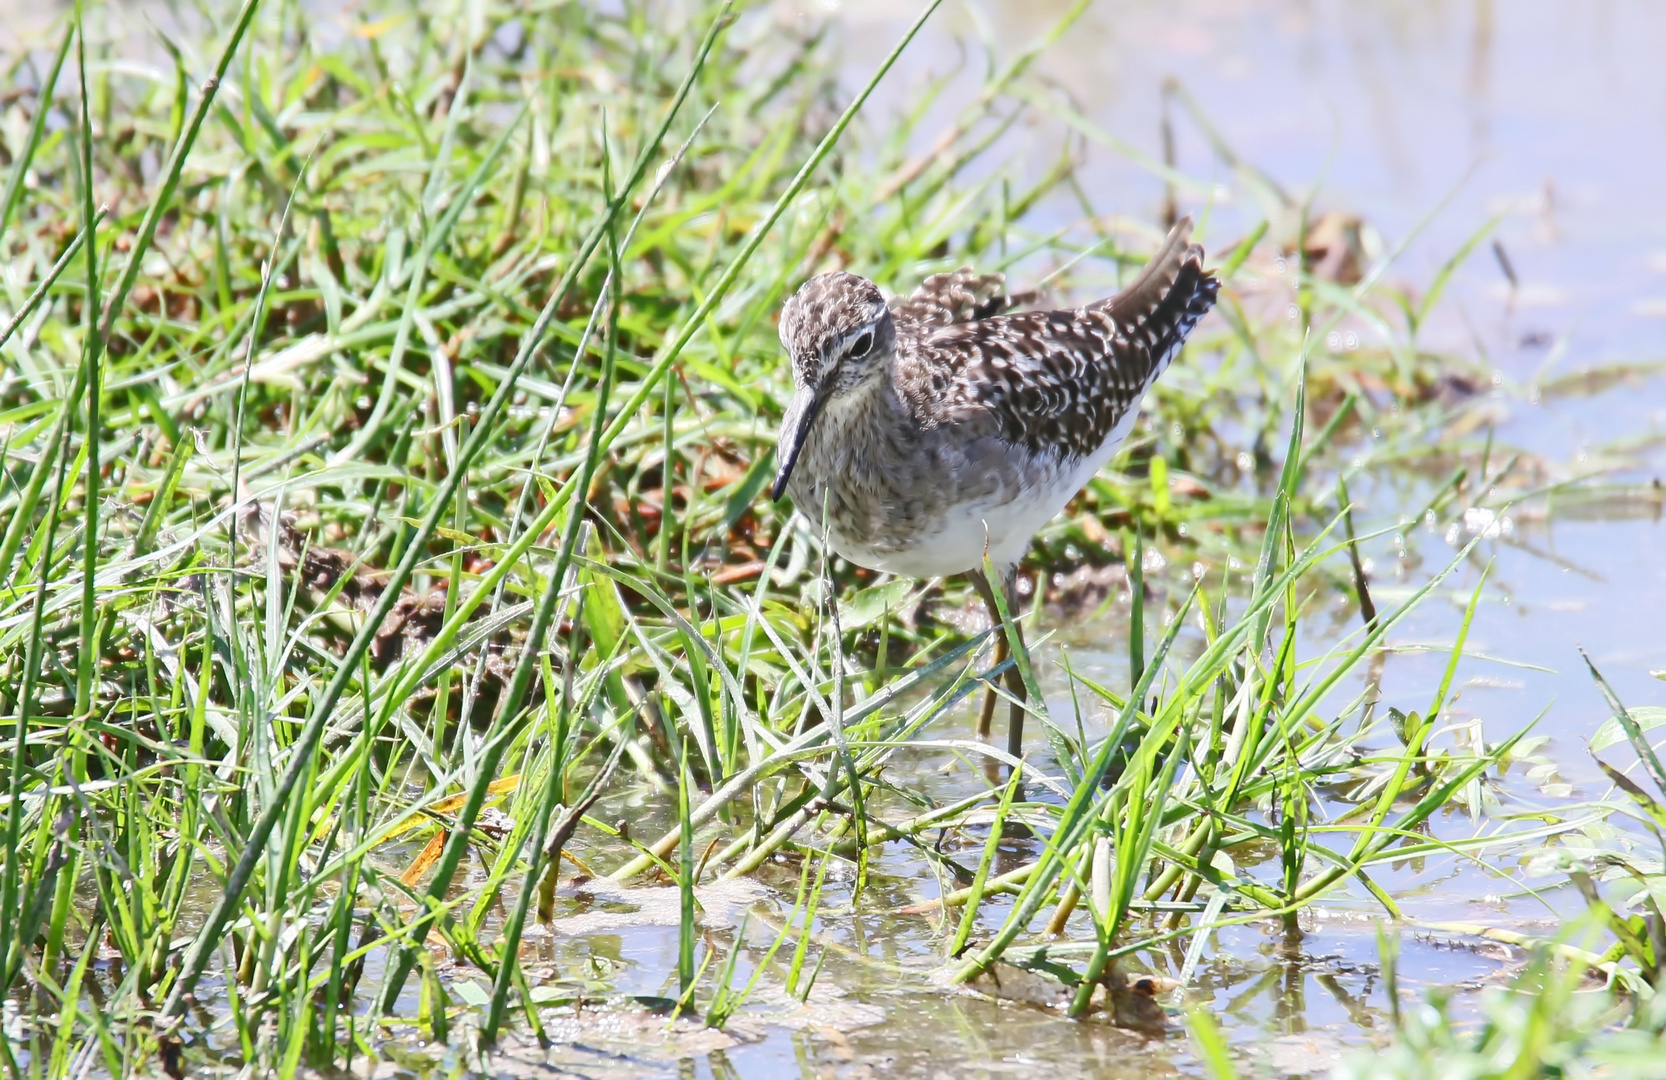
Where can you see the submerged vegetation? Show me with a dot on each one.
(389, 575)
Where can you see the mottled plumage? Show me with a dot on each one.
(930, 426)
(944, 299)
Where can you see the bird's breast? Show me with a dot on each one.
(925, 501)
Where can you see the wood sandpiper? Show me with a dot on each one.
(932, 428)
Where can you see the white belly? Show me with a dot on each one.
(967, 530)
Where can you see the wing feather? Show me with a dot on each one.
(959, 296)
(1063, 380)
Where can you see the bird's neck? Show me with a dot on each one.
(872, 401)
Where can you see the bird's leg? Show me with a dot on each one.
(986, 714)
(1015, 678)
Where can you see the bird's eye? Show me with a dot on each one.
(863, 346)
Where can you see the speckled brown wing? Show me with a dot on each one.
(1061, 381)
(959, 296)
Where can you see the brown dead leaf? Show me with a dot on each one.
(743, 572)
(427, 857)
(454, 803)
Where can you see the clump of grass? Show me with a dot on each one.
(386, 417)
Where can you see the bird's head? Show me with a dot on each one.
(839, 333)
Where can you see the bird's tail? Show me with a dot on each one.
(1160, 307)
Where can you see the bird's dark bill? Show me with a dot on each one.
(795, 428)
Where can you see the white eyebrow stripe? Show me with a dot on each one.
(842, 348)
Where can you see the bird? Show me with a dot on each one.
(929, 432)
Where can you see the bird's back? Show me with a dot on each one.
(1060, 382)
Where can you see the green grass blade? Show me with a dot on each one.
(31, 142)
